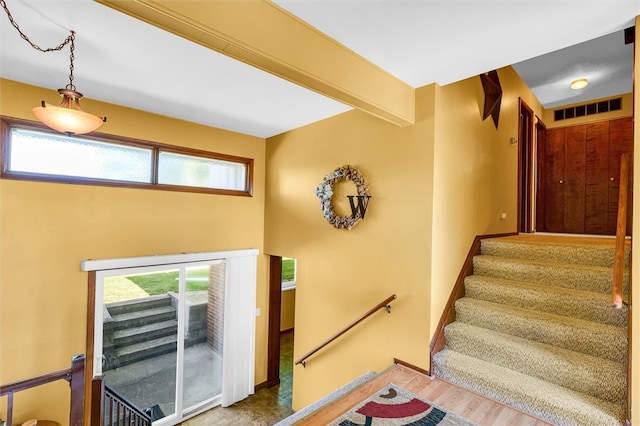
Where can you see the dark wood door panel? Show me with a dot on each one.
(541, 176)
(579, 178)
(554, 183)
(574, 183)
(621, 141)
(597, 178)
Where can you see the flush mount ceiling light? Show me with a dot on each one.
(68, 117)
(578, 84)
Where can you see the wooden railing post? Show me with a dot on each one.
(97, 403)
(74, 375)
(621, 232)
(76, 382)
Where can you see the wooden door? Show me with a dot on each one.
(554, 180)
(597, 178)
(581, 173)
(574, 179)
(620, 142)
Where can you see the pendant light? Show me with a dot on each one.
(68, 117)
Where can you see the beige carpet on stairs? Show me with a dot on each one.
(536, 330)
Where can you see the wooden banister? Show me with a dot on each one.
(458, 291)
(383, 304)
(621, 232)
(74, 375)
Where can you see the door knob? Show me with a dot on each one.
(611, 179)
(561, 181)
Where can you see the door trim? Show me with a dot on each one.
(275, 306)
(525, 167)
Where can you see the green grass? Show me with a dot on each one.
(164, 282)
(288, 269)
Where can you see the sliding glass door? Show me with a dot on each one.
(162, 337)
(175, 334)
(203, 341)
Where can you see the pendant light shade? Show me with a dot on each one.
(68, 117)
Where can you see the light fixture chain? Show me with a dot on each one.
(68, 40)
(24, 36)
(72, 38)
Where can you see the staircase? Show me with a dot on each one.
(536, 330)
(139, 329)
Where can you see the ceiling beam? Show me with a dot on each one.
(262, 34)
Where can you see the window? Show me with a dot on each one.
(30, 152)
(288, 273)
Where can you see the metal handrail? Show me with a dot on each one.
(74, 375)
(621, 232)
(383, 304)
(121, 410)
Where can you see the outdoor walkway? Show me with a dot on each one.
(152, 381)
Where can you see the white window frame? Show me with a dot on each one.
(238, 357)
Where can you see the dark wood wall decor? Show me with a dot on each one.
(492, 95)
(579, 176)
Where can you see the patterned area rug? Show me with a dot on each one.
(394, 406)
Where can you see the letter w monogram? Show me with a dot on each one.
(361, 209)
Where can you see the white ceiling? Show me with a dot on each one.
(121, 60)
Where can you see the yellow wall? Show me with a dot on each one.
(475, 175)
(341, 274)
(46, 229)
(288, 310)
(434, 186)
(635, 279)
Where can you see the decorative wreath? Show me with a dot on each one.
(324, 192)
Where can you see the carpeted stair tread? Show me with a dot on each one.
(581, 372)
(579, 251)
(578, 335)
(549, 401)
(555, 300)
(578, 277)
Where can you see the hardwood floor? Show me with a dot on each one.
(454, 398)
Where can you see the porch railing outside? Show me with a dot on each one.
(109, 408)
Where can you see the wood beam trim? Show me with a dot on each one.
(240, 30)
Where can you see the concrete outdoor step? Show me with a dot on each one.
(130, 336)
(578, 335)
(549, 401)
(579, 277)
(554, 300)
(583, 373)
(132, 305)
(147, 316)
(584, 251)
(149, 349)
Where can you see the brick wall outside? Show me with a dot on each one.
(215, 307)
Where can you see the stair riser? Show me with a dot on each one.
(605, 344)
(595, 280)
(129, 358)
(592, 376)
(559, 303)
(583, 255)
(143, 320)
(144, 337)
(548, 402)
(120, 308)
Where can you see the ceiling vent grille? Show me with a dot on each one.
(614, 104)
